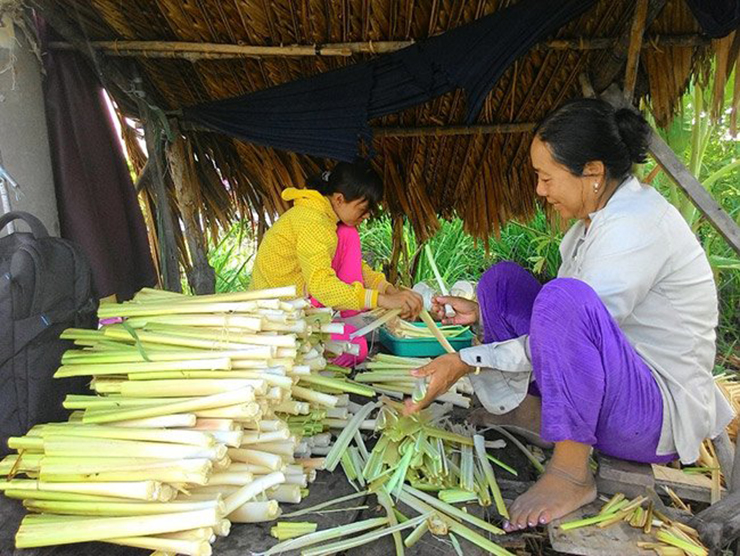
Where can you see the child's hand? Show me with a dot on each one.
(409, 302)
(466, 311)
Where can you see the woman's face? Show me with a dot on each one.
(351, 213)
(572, 196)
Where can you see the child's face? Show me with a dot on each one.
(351, 213)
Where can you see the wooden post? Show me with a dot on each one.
(202, 276)
(169, 263)
(635, 46)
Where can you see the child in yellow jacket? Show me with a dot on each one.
(316, 247)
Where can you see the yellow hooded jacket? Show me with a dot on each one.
(298, 250)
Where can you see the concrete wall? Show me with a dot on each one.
(24, 141)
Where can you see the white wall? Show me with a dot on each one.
(24, 142)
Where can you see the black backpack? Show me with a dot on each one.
(45, 287)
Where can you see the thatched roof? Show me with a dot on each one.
(484, 177)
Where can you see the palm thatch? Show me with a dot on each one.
(485, 178)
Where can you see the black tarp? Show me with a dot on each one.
(327, 115)
(718, 18)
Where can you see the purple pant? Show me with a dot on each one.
(595, 388)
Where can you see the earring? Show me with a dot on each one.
(596, 187)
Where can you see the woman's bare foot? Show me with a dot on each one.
(566, 485)
(552, 497)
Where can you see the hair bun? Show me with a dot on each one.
(634, 132)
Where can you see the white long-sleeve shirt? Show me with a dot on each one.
(653, 276)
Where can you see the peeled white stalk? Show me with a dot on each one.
(215, 425)
(251, 490)
(136, 490)
(266, 425)
(145, 367)
(238, 412)
(183, 420)
(72, 446)
(255, 512)
(316, 397)
(47, 534)
(332, 328)
(260, 437)
(297, 327)
(265, 459)
(189, 387)
(285, 494)
(230, 478)
(169, 546)
(284, 448)
(194, 438)
(232, 439)
(238, 467)
(240, 396)
(120, 509)
(294, 408)
(195, 471)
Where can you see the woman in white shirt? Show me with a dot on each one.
(617, 352)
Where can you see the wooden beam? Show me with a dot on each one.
(607, 70)
(706, 204)
(194, 51)
(449, 130)
(635, 46)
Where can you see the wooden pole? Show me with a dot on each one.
(444, 131)
(202, 276)
(633, 53)
(169, 264)
(212, 51)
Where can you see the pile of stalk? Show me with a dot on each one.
(417, 462)
(205, 411)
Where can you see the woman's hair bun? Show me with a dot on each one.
(635, 133)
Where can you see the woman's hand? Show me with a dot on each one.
(410, 303)
(466, 311)
(390, 289)
(444, 371)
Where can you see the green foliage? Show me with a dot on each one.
(232, 258)
(533, 245)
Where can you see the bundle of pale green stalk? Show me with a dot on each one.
(188, 423)
(417, 462)
(391, 375)
(404, 329)
(673, 538)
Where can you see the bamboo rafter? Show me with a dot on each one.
(211, 51)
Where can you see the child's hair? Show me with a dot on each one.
(355, 180)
